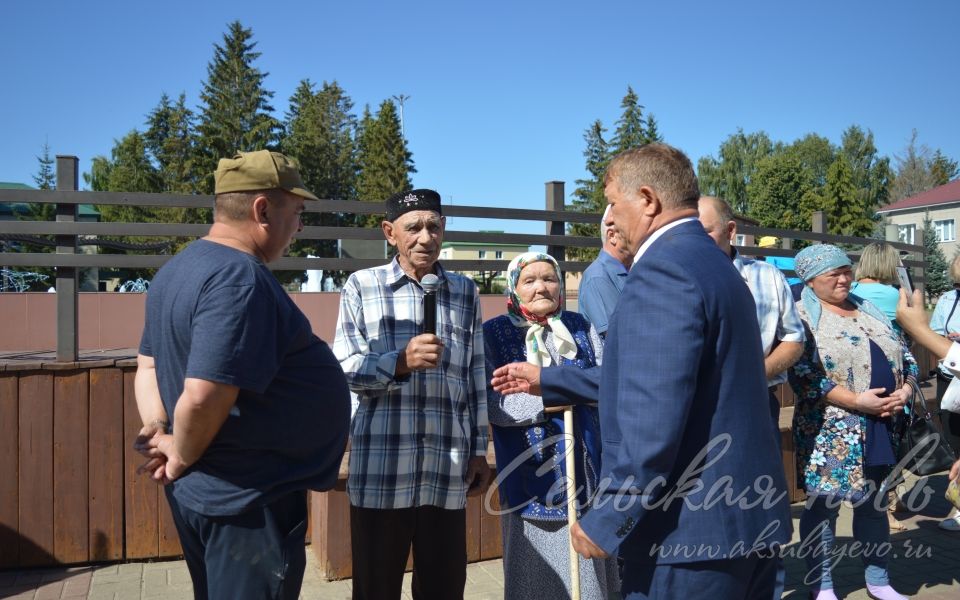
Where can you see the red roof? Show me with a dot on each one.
(945, 194)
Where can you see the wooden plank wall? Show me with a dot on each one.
(69, 492)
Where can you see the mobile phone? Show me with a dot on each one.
(904, 278)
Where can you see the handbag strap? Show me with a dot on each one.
(917, 399)
(956, 298)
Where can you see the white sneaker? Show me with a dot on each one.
(951, 523)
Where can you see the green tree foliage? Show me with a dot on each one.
(653, 131)
(588, 197)
(935, 275)
(45, 179)
(129, 169)
(383, 159)
(816, 154)
(631, 129)
(782, 193)
(729, 175)
(943, 169)
(319, 132)
(236, 114)
(849, 183)
(870, 173)
(846, 215)
(171, 138)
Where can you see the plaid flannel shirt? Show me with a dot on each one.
(412, 436)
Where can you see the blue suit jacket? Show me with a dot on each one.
(683, 372)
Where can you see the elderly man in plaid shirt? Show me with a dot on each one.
(419, 438)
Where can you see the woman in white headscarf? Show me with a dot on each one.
(528, 440)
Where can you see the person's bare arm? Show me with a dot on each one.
(201, 410)
(153, 415)
(147, 392)
(869, 402)
(782, 358)
(913, 319)
(518, 377)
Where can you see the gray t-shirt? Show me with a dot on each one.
(218, 314)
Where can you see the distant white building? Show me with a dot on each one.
(943, 206)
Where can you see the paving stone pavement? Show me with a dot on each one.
(925, 564)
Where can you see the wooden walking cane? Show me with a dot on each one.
(571, 502)
(571, 464)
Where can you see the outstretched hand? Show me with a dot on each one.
(515, 378)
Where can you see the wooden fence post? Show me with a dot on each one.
(555, 201)
(818, 222)
(67, 342)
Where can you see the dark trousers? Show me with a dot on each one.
(749, 578)
(381, 543)
(257, 554)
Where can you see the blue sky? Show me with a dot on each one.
(501, 92)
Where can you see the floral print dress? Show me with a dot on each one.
(829, 439)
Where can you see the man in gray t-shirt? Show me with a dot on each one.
(243, 408)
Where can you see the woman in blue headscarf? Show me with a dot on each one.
(849, 383)
(529, 440)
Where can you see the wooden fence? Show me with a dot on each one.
(68, 488)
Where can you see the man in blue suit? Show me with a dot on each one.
(692, 489)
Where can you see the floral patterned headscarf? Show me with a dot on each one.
(537, 325)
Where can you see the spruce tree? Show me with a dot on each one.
(171, 139)
(384, 162)
(46, 176)
(236, 114)
(589, 196)
(653, 132)
(935, 276)
(870, 173)
(846, 216)
(631, 129)
(45, 179)
(319, 129)
(943, 168)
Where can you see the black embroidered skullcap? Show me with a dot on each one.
(404, 202)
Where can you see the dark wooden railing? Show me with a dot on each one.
(68, 489)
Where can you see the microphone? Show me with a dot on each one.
(430, 283)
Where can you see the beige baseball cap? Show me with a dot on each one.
(260, 170)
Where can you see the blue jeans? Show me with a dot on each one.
(870, 529)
